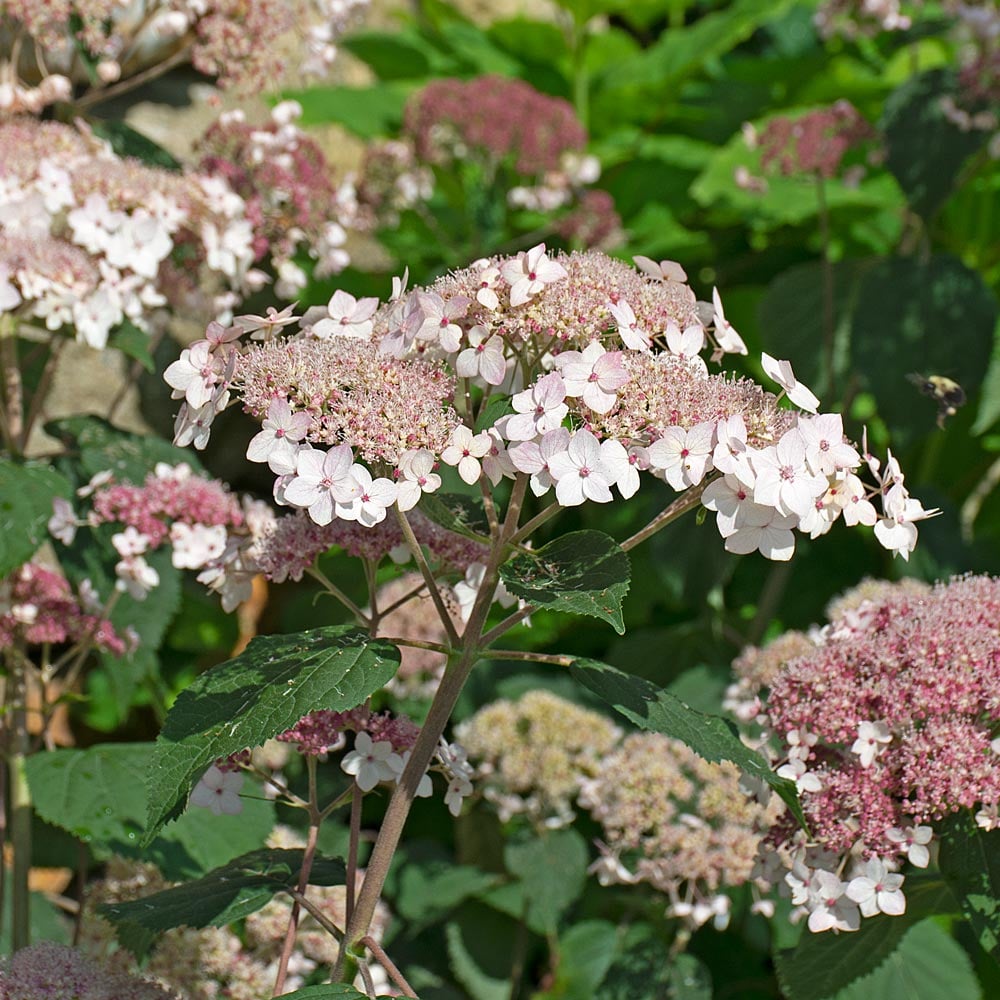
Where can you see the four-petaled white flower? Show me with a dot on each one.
(796, 770)
(632, 337)
(683, 457)
(371, 762)
(664, 270)
(136, 577)
(580, 473)
(872, 739)
(219, 791)
(687, 344)
(784, 481)
(485, 293)
(62, 524)
(277, 443)
(827, 451)
(438, 324)
(483, 357)
(322, 480)
(194, 375)
(877, 890)
(537, 410)
(914, 840)
(459, 788)
(417, 477)
(831, 908)
(533, 457)
(347, 317)
(765, 530)
(594, 374)
(264, 327)
(465, 450)
(896, 531)
(370, 505)
(781, 372)
(529, 273)
(195, 545)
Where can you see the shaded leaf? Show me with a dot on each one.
(262, 692)
(585, 954)
(26, 494)
(392, 56)
(224, 895)
(552, 868)
(430, 891)
(657, 710)
(823, 964)
(366, 111)
(970, 863)
(457, 512)
(584, 573)
(126, 141)
(133, 342)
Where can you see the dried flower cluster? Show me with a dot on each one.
(533, 755)
(885, 718)
(675, 821)
(215, 962)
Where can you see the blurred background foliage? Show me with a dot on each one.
(886, 268)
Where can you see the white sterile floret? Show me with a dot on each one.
(136, 577)
(914, 839)
(196, 545)
(62, 524)
(683, 457)
(781, 372)
(784, 481)
(322, 480)
(873, 737)
(827, 450)
(580, 472)
(687, 344)
(371, 762)
(537, 410)
(438, 319)
(278, 441)
(533, 457)
(418, 477)
(219, 791)
(593, 374)
(369, 507)
(664, 270)
(465, 450)
(194, 375)
(831, 908)
(529, 273)
(729, 341)
(765, 530)
(483, 358)
(425, 787)
(877, 890)
(624, 317)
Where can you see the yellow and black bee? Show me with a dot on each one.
(948, 394)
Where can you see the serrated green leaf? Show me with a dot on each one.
(224, 895)
(495, 408)
(927, 965)
(262, 692)
(26, 494)
(970, 863)
(657, 710)
(479, 950)
(925, 150)
(584, 573)
(94, 795)
(132, 342)
(553, 869)
(824, 964)
(457, 512)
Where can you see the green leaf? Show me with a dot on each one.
(262, 692)
(495, 408)
(457, 512)
(927, 965)
(925, 150)
(132, 342)
(657, 710)
(640, 971)
(552, 869)
(94, 795)
(585, 952)
(479, 948)
(689, 979)
(970, 863)
(431, 891)
(126, 141)
(224, 895)
(823, 964)
(392, 56)
(584, 573)
(368, 112)
(96, 445)
(26, 494)
(989, 399)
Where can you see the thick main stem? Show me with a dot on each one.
(13, 388)
(20, 802)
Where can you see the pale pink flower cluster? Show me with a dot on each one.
(852, 18)
(89, 238)
(885, 719)
(601, 367)
(38, 606)
(241, 43)
(198, 518)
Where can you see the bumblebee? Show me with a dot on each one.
(948, 394)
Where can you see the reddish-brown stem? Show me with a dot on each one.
(352, 851)
(387, 963)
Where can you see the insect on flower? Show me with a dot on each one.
(948, 394)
